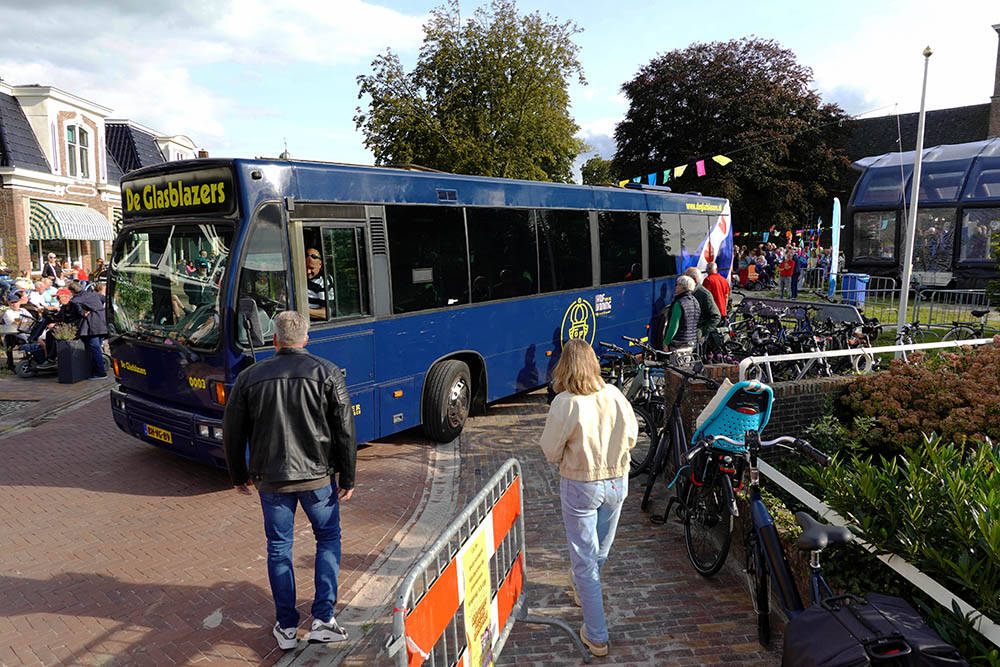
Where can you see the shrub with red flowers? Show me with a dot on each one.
(953, 394)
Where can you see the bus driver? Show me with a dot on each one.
(316, 286)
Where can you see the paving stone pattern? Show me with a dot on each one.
(115, 552)
(660, 611)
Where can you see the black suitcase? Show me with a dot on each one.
(878, 630)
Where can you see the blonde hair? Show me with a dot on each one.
(578, 370)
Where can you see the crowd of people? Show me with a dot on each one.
(64, 294)
(791, 268)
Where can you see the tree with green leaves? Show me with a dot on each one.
(597, 171)
(748, 99)
(488, 96)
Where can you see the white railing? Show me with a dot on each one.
(763, 364)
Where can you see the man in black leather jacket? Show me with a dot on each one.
(294, 412)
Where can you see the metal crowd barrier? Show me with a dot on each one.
(457, 605)
(946, 307)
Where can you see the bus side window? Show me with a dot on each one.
(345, 261)
(621, 246)
(264, 273)
(427, 251)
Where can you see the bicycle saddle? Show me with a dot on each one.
(746, 406)
(980, 313)
(817, 536)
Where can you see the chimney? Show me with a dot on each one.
(203, 153)
(994, 130)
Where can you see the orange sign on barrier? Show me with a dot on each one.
(476, 566)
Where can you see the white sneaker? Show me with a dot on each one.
(287, 637)
(325, 633)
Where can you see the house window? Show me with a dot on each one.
(77, 151)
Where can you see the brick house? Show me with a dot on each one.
(61, 160)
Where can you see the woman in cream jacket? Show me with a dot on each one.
(589, 431)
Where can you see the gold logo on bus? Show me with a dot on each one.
(579, 322)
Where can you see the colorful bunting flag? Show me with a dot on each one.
(679, 171)
(721, 159)
(651, 178)
(666, 176)
(766, 235)
(700, 166)
(635, 180)
(621, 184)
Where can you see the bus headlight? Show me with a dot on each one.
(217, 433)
(203, 430)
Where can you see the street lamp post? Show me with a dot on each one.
(911, 222)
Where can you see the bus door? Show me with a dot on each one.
(333, 289)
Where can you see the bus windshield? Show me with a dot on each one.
(166, 281)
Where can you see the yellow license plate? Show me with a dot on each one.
(159, 434)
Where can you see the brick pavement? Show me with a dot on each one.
(660, 611)
(115, 552)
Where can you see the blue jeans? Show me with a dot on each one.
(590, 513)
(323, 509)
(96, 350)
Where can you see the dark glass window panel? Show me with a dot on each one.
(564, 250)
(264, 273)
(987, 185)
(345, 261)
(621, 246)
(502, 252)
(428, 255)
(694, 229)
(979, 226)
(935, 240)
(875, 235)
(882, 185)
(664, 243)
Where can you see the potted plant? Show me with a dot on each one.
(73, 357)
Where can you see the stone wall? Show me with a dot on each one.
(797, 404)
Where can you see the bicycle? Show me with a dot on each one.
(765, 561)
(967, 331)
(629, 375)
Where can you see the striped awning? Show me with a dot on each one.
(116, 219)
(65, 221)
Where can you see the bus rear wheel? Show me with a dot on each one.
(447, 395)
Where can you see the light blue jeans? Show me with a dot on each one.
(590, 513)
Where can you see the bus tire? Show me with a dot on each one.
(447, 395)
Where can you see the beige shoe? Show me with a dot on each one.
(572, 590)
(598, 649)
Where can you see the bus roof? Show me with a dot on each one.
(346, 183)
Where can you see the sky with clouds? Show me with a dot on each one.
(242, 78)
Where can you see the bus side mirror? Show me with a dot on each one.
(249, 321)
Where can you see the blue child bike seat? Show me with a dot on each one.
(745, 407)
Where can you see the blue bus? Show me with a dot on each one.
(435, 293)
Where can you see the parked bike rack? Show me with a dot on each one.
(457, 605)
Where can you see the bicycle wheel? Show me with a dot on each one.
(758, 583)
(708, 526)
(960, 332)
(645, 446)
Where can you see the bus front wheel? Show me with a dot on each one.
(447, 395)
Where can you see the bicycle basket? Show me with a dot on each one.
(746, 406)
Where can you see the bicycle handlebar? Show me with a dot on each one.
(785, 441)
(611, 346)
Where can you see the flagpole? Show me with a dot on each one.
(911, 223)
